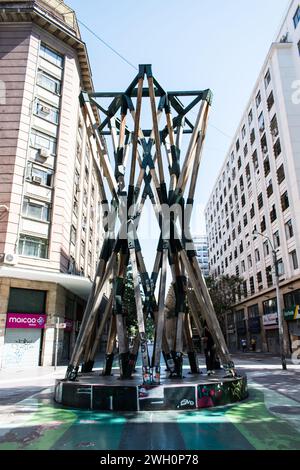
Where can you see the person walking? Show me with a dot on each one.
(244, 345)
(253, 344)
(209, 348)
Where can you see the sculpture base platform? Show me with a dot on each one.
(95, 392)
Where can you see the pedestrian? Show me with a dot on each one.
(253, 344)
(244, 345)
(209, 348)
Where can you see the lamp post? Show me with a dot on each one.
(279, 309)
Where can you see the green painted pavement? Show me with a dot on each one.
(39, 424)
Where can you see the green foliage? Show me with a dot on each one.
(224, 292)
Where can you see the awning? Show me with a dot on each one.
(78, 285)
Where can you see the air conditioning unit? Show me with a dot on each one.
(45, 109)
(37, 179)
(44, 153)
(10, 258)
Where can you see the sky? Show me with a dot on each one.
(191, 44)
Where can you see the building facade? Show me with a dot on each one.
(201, 247)
(50, 229)
(258, 189)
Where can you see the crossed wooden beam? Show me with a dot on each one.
(140, 152)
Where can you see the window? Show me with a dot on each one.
(285, 201)
(273, 214)
(274, 127)
(250, 117)
(39, 175)
(257, 255)
(36, 210)
(277, 148)
(239, 163)
(255, 160)
(49, 83)
(260, 201)
(276, 239)
(249, 260)
(297, 17)
(261, 122)
(270, 101)
(243, 200)
(248, 173)
(252, 137)
(294, 259)
(246, 150)
(264, 145)
(258, 99)
(252, 211)
(237, 145)
(266, 248)
(267, 79)
(263, 226)
(289, 231)
(33, 247)
(73, 235)
(244, 131)
(299, 47)
(245, 220)
(46, 111)
(280, 174)
(259, 278)
(270, 306)
(270, 189)
(252, 286)
(245, 291)
(52, 56)
(269, 276)
(267, 168)
(38, 140)
(280, 267)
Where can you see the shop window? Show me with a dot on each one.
(27, 301)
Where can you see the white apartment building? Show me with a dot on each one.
(50, 226)
(258, 188)
(201, 247)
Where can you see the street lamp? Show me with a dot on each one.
(279, 309)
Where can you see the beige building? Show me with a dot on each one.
(258, 189)
(50, 226)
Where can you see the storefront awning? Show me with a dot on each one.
(78, 285)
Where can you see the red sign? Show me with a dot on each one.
(69, 325)
(25, 320)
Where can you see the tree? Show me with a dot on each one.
(224, 292)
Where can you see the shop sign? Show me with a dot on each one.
(69, 325)
(270, 319)
(292, 314)
(25, 320)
